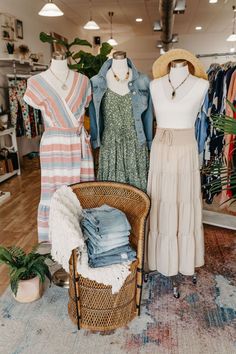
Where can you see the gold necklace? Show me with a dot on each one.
(175, 88)
(118, 78)
(64, 86)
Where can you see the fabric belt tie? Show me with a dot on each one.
(166, 137)
(85, 138)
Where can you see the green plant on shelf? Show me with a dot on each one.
(10, 47)
(224, 171)
(83, 62)
(24, 266)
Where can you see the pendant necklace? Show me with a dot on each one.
(175, 88)
(63, 86)
(118, 78)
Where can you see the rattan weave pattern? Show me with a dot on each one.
(98, 308)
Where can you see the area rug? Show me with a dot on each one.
(201, 321)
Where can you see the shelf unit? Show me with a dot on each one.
(12, 134)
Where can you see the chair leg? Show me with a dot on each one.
(75, 289)
(194, 278)
(145, 277)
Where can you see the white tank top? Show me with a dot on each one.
(180, 112)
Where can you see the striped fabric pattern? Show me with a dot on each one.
(65, 151)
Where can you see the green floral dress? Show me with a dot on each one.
(121, 157)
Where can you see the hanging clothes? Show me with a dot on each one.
(24, 118)
(65, 152)
(218, 146)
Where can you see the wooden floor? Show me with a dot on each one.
(18, 215)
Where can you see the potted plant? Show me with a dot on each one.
(27, 272)
(23, 51)
(10, 48)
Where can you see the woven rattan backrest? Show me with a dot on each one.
(133, 202)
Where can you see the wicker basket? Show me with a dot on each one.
(92, 305)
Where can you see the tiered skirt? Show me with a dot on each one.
(175, 240)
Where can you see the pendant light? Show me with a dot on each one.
(232, 37)
(91, 25)
(111, 41)
(50, 10)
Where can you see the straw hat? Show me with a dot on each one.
(161, 65)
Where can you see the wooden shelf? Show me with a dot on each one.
(8, 175)
(17, 60)
(7, 131)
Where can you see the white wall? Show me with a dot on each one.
(33, 24)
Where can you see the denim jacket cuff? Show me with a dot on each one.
(149, 144)
(95, 144)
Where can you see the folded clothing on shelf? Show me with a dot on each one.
(106, 231)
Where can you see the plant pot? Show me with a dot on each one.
(29, 290)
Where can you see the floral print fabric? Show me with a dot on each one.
(122, 158)
(24, 118)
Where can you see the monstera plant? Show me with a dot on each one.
(224, 172)
(81, 61)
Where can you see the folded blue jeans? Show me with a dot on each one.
(89, 230)
(106, 219)
(119, 256)
(98, 248)
(114, 251)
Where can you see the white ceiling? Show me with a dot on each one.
(214, 18)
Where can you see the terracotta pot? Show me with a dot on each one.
(29, 290)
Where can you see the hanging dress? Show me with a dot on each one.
(65, 152)
(121, 157)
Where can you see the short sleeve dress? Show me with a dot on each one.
(65, 151)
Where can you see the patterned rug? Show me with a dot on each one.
(202, 321)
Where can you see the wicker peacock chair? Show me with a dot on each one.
(92, 305)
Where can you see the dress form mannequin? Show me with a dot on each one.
(62, 96)
(120, 68)
(176, 238)
(192, 92)
(59, 73)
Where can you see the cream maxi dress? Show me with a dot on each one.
(175, 239)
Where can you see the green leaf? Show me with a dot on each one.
(5, 256)
(106, 49)
(78, 41)
(231, 106)
(14, 286)
(45, 38)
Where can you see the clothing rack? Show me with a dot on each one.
(215, 55)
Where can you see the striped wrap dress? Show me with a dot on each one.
(65, 151)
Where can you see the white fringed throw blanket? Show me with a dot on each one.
(65, 235)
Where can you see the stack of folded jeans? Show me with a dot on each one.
(106, 231)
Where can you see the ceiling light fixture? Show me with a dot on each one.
(232, 37)
(198, 28)
(50, 10)
(139, 19)
(91, 25)
(111, 41)
(213, 1)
